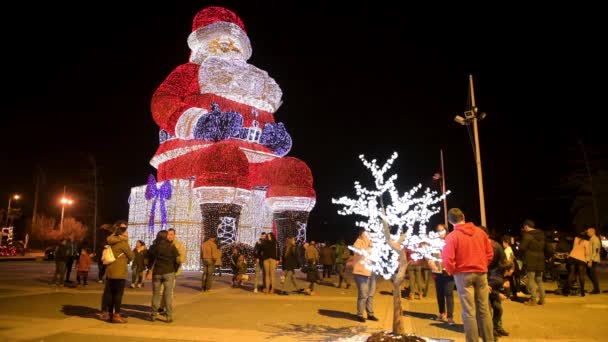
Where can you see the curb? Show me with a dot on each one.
(32, 258)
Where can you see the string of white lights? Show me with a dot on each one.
(405, 212)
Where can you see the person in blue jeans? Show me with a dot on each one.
(364, 278)
(162, 257)
(466, 255)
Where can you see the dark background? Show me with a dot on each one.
(367, 79)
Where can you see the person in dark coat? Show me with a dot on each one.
(117, 272)
(498, 284)
(328, 258)
(259, 268)
(533, 248)
(61, 257)
(270, 257)
(162, 261)
(234, 265)
(72, 255)
(104, 232)
(290, 264)
(139, 264)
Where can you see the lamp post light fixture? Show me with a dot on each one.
(64, 201)
(471, 116)
(8, 211)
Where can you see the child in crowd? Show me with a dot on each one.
(234, 265)
(241, 270)
(139, 264)
(83, 266)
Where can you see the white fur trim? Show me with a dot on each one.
(290, 203)
(184, 128)
(222, 194)
(221, 39)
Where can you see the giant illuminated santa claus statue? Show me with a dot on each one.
(220, 147)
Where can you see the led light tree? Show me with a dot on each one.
(385, 208)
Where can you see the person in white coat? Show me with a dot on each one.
(364, 278)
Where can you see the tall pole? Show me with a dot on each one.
(482, 206)
(8, 210)
(62, 210)
(37, 189)
(593, 194)
(445, 200)
(95, 213)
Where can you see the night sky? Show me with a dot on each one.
(370, 80)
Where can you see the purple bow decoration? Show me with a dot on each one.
(164, 193)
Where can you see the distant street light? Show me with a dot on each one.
(8, 211)
(471, 116)
(64, 200)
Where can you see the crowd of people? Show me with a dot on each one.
(484, 272)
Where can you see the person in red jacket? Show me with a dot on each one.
(466, 255)
(83, 266)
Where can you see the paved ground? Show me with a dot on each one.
(34, 311)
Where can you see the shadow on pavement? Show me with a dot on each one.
(135, 307)
(456, 327)
(45, 280)
(193, 287)
(136, 310)
(311, 332)
(327, 283)
(80, 311)
(422, 315)
(338, 314)
(404, 293)
(519, 299)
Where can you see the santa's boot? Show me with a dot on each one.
(220, 220)
(221, 190)
(290, 224)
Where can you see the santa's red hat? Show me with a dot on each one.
(210, 15)
(217, 31)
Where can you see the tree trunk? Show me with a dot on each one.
(397, 277)
(397, 310)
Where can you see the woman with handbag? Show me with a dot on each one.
(117, 272)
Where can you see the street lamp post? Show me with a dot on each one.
(471, 116)
(8, 211)
(64, 201)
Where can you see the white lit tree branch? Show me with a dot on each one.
(404, 212)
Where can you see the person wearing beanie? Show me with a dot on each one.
(533, 247)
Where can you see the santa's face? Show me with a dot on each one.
(221, 46)
(222, 39)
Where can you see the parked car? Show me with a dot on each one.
(49, 253)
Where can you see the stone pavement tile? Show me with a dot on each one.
(38, 329)
(224, 313)
(561, 318)
(69, 337)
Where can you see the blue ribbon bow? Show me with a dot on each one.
(164, 193)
